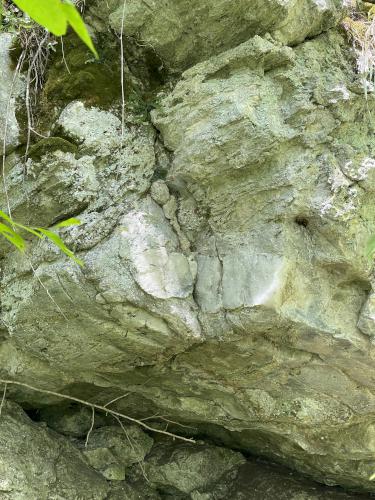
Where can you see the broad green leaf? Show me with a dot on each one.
(54, 238)
(16, 240)
(6, 217)
(75, 20)
(69, 222)
(12, 237)
(13, 223)
(48, 13)
(372, 477)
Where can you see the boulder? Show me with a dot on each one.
(200, 29)
(260, 481)
(110, 450)
(36, 463)
(181, 469)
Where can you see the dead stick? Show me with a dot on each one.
(97, 407)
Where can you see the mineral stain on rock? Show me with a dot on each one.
(226, 293)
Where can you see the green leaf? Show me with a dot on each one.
(16, 224)
(6, 217)
(31, 230)
(13, 223)
(69, 222)
(56, 240)
(47, 13)
(12, 237)
(75, 20)
(16, 240)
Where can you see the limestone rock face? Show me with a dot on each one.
(259, 481)
(112, 449)
(225, 220)
(9, 89)
(199, 29)
(39, 464)
(185, 469)
(282, 270)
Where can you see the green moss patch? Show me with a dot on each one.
(76, 74)
(49, 145)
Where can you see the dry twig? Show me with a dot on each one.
(122, 75)
(96, 407)
(91, 427)
(3, 398)
(141, 466)
(361, 32)
(117, 399)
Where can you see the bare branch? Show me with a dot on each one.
(91, 427)
(3, 398)
(117, 399)
(97, 407)
(141, 466)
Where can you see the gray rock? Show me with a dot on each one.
(241, 305)
(92, 128)
(261, 481)
(366, 321)
(197, 30)
(110, 450)
(72, 421)
(185, 468)
(10, 88)
(38, 464)
(270, 271)
(138, 491)
(160, 192)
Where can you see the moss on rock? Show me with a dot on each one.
(76, 74)
(49, 145)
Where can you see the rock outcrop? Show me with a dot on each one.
(225, 219)
(10, 87)
(37, 463)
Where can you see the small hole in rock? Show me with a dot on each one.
(301, 221)
(33, 413)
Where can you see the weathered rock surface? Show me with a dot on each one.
(184, 469)
(9, 89)
(200, 29)
(36, 464)
(111, 450)
(226, 283)
(74, 420)
(282, 272)
(259, 481)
